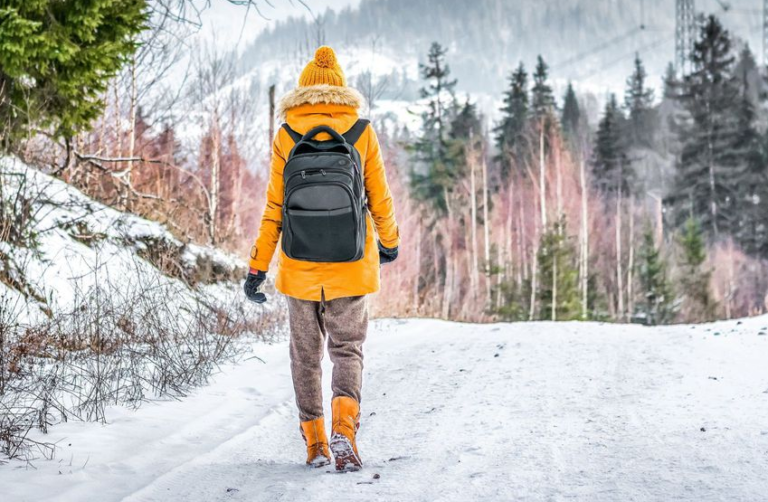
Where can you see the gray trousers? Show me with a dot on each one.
(344, 323)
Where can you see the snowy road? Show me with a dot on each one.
(453, 412)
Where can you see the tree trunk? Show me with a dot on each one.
(731, 280)
(473, 223)
(486, 234)
(534, 275)
(215, 181)
(416, 299)
(436, 264)
(132, 124)
(450, 271)
(712, 185)
(542, 222)
(559, 195)
(271, 114)
(118, 152)
(584, 244)
(522, 240)
(659, 222)
(542, 181)
(631, 260)
(553, 309)
(619, 270)
(559, 190)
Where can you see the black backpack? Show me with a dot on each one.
(324, 199)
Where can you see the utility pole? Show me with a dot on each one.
(271, 117)
(685, 25)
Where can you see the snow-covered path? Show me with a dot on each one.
(568, 411)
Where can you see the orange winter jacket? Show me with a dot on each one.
(336, 107)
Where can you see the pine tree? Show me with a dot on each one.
(638, 100)
(56, 57)
(704, 182)
(437, 72)
(435, 176)
(559, 275)
(612, 171)
(514, 298)
(748, 155)
(671, 84)
(465, 121)
(656, 306)
(542, 98)
(571, 116)
(755, 210)
(698, 303)
(464, 140)
(514, 118)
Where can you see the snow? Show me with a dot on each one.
(64, 266)
(528, 411)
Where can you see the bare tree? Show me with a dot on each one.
(619, 266)
(372, 89)
(213, 73)
(584, 243)
(473, 216)
(486, 230)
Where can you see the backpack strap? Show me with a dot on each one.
(356, 131)
(296, 137)
(350, 136)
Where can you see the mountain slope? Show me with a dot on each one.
(100, 307)
(592, 43)
(529, 411)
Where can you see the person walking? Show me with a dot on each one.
(329, 205)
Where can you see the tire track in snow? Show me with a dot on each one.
(215, 474)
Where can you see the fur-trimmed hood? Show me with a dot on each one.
(316, 94)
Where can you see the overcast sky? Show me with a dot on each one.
(224, 21)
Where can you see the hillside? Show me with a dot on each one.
(65, 244)
(102, 307)
(528, 411)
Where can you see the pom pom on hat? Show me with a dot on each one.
(325, 57)
(323, 69)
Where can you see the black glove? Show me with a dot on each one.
(387, 255)
(252, 284)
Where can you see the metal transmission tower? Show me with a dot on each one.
(685, 26)
(765, 32)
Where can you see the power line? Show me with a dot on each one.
(646, 47)
(598, 48)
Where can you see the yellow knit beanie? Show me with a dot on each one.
(324, 69)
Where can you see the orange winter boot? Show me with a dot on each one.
(313, 432)
(346, 421)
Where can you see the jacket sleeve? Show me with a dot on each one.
(379, 197)
(272, 219)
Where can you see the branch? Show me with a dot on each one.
(96, 161)
(118, 175)
(86, 158)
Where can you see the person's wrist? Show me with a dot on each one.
(385, 249)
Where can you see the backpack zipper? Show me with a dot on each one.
(311, 172)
